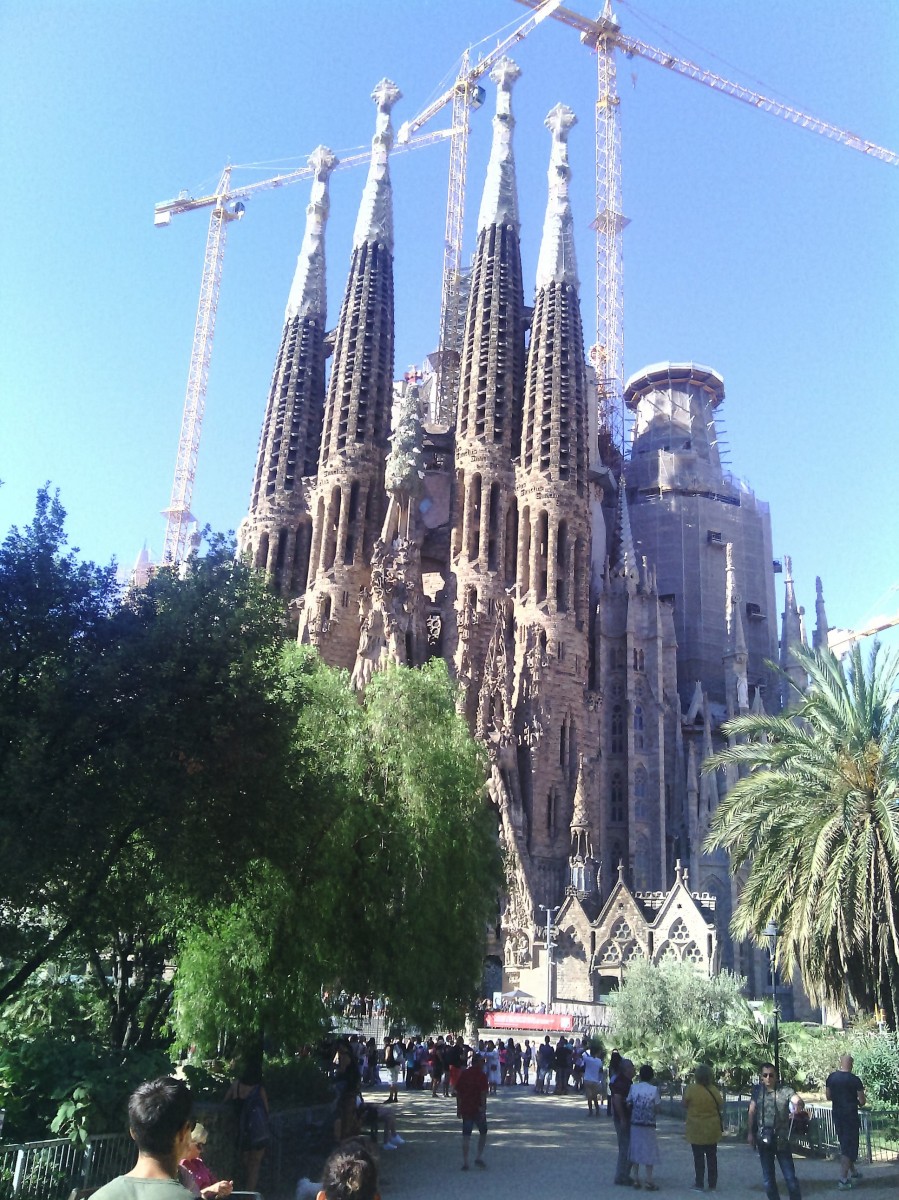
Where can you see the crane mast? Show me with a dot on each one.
(604, 37)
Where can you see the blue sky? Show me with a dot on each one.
(764, 251)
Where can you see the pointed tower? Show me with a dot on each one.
(484, 537)
(581, 859)
(820, 641)
(552, 578)
(791, 636)
(277, 531)
(349, 500)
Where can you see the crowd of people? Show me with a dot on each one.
(170, 1145)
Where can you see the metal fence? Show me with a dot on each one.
(49, 1170)
(878, 1134)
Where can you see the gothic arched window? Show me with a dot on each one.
(638, 727)
(617, 729)
(616, 800)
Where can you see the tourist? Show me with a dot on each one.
(471, 1107)
(592, 1067)
(350, 1173)
(346, 1081)
(393, 1061)
(621, 1115)
(438, 1064)
(160, 1123)
(250, 1102)
(562, 1064)
(705, 1125)
(196, 1175)
(545, 1057)
(643, 1101)
(491, 1061)
(526, 1058)
(846, 1093)
(457, 1057)
(769, 1131)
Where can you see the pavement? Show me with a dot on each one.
(548, 1147)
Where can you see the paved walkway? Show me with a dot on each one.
(548, 1147)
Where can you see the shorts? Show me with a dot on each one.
(395, 1074)
(847, 1135)
(591, 1090)
(469, 1123)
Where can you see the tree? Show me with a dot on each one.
(142, 748)
(814, 824)
(387, 874)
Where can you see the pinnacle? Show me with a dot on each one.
(559, 120)
(505, 72)
(386, 94)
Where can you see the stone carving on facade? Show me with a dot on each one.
(494, 726)
(389, 609)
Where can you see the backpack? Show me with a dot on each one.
(254, 1130)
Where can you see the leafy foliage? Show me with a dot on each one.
(385, 874)
(814, 824)
(674, 1017)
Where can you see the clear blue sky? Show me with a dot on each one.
(762, 250)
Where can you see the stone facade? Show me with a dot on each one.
(602, 623)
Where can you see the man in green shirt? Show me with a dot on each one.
(159, 1115)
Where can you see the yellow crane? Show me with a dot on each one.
(603, 35)
(227, 204)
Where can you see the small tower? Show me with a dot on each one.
(277, 531)
(819, 639)
(736, 656)
(581, 858)
(791, 636)
(349, 501)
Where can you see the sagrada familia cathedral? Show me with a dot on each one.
(603, 617)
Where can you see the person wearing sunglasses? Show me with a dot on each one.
(196, 1175)
(770, 1111)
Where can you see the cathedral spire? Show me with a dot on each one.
(820, 641)
(499, 201)
(736, 655)
(375, 220)
(308, 295)
(557, 262)
(276, 533)
(625, 561)
(791, 636)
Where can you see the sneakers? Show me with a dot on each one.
(845, 1185)
(856, 1174)
(388, 1146)
(397, 1140)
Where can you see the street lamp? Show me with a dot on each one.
(770, 936)
(550, 913)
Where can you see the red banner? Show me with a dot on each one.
(563, 1022)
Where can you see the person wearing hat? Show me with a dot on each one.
(196, 1175)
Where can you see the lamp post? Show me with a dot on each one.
(550, 913)
(770, 935)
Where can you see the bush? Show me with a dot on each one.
(877, 1065)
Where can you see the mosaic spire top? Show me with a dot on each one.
(375, 220)
(557, 262)
(308, 295)
(499, 203)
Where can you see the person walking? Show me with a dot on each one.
(643, 1101)
(471, 1107)
(618, 1092)
(593, 1080)
(705, 1125)
(769, 1131)
(846, 1093)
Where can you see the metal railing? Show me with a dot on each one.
(878, 1132)
(49, 1170)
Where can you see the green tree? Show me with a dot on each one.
(813, 822)
(386, 875)
(141, 753)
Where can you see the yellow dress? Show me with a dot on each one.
(703, 1105)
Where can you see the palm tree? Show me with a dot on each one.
(813, 822)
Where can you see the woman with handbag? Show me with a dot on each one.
(770, 1111)
(705, 1125)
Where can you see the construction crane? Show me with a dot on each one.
(464, 94)
(840, 641)
(227, 205)
(604, 36)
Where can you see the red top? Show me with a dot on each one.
(470, 1087)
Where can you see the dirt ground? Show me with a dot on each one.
(548, 1147)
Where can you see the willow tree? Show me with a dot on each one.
(813, 822)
